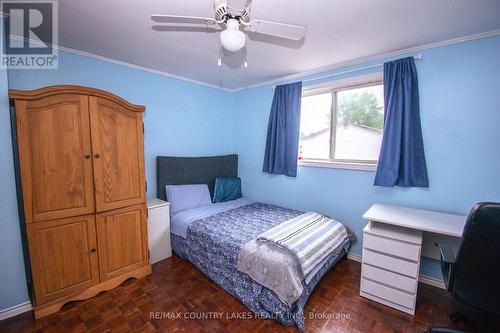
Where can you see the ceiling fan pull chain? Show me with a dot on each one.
(219, 62)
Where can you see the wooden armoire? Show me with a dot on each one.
(81, 168)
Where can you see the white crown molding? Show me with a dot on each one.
(126, 64)
(421, 278)
(376, 57)
(142, 68)
(15, 310)
(322, 69)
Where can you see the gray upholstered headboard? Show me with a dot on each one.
(193, 170)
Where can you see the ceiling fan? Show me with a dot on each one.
(233, 24)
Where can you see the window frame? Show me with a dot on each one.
(333, 88)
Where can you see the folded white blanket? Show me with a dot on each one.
(311, 237)
(291, 253)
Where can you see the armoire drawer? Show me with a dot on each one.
(392, 247)
(395, 280)
(396, 265)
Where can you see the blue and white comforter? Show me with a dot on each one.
(291, 253)
(212, 244)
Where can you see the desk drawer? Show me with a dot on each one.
(392, 247)
(388, 294)
(392, 279)
(389, 263)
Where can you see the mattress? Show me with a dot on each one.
(212, 240)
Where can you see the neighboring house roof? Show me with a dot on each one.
(311, 135)
(367, 127)
(352, 142)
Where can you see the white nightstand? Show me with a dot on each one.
(158, 230)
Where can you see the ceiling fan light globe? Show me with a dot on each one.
(232, 40)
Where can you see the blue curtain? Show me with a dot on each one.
(402, 158)
(282, 143)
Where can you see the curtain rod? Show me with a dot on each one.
(416, 57)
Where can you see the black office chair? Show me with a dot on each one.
(473, 277)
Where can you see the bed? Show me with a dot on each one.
(211, 237)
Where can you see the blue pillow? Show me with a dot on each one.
(182, 197)
(227, 189)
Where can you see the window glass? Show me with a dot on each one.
(315, 124)
(360, 119)
(357, 117)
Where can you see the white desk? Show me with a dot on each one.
(392, 247)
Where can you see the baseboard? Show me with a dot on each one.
(15, 310)
(431, 281)
(353, 256)
(421, 278)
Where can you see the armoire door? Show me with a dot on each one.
(63, 257)
(122, 241)
(53, 136)
(118, 153)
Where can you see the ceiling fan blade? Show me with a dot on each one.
(187, 20)
(283, 30)
(245, 14)
(220, 7)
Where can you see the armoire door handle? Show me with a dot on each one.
(87, 155)
(97, 155)
(92, 250)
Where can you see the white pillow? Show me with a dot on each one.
(182, 197)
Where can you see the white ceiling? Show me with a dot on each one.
(338, 31)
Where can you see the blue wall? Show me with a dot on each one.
(181, 119)
(460, 119)
(460, 113)
(12, 278)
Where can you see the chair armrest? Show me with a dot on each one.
(446, 253)
(447, 264)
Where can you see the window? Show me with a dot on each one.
(341, 126)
